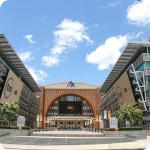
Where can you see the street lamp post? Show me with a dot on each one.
(92, 124)
(53, 123)
(86, 123)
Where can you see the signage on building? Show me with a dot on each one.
(113, 122)
(127, 123)
(21, 121)
(8, 88)
(12, 88)
(105, 114)
(70, 84)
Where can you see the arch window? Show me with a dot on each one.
(70, 105)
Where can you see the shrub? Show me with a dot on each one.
(26, 128)
(129, 128)
(123, 129)
(110, 129)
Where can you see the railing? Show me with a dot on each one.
(8, 123)
(69, 117)
(144, 127)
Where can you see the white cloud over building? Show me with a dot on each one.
(2, 1)
(29, 38)
(108, 53)
(138, 13)
(38, 75)
(25, 56)
(67, 37)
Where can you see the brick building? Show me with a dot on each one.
(68, 105)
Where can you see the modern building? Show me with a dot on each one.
(69, 105)
(129, 81)
(16, 83)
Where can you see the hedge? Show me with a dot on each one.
(13, 127)
(123, 129)
(109, 129)
(130, 128)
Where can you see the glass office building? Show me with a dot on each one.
(129, 81)
(16, 83)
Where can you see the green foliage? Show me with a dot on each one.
(130, 113)
(26, 128)
(110, 129)
(123, 128)
(9, 111)
(130, 128)
(8, 127)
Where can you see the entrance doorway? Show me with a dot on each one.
(69, 112)
(70, 124)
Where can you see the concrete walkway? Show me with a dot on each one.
(75, 135)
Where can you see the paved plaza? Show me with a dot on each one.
(70, 140)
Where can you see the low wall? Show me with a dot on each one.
(136, 134)
(14, 132)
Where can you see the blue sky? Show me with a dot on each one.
(72, 40)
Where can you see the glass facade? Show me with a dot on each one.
(143, 66)
(138, 83)
(28, 102)
(70, 100)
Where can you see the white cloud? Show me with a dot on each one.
(38, 75)
(2, 1)
(138, 34)
(138, 13)
(25, 56)
(95, 26)
(114, 4)
(111, 5)
(68, 36)
(50, 61)
(108, 53)
(29, 38)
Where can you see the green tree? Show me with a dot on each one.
(9, 111)
(130, 113)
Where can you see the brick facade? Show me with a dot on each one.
(49, 95)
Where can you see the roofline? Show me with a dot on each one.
(57, 83)
(12, 60)
(127, 57)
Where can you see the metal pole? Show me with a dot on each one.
(92, 124)
(89, 124)
(86, 124)
(53, 123)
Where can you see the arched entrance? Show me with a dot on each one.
(52, 95)
(69, 112)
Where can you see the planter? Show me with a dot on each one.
(136, 134)
(14, 132)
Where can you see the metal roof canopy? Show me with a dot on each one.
(13, 61)
(126, 58)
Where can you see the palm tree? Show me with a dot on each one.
(130, 113)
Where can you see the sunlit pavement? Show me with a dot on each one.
(70, 140)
